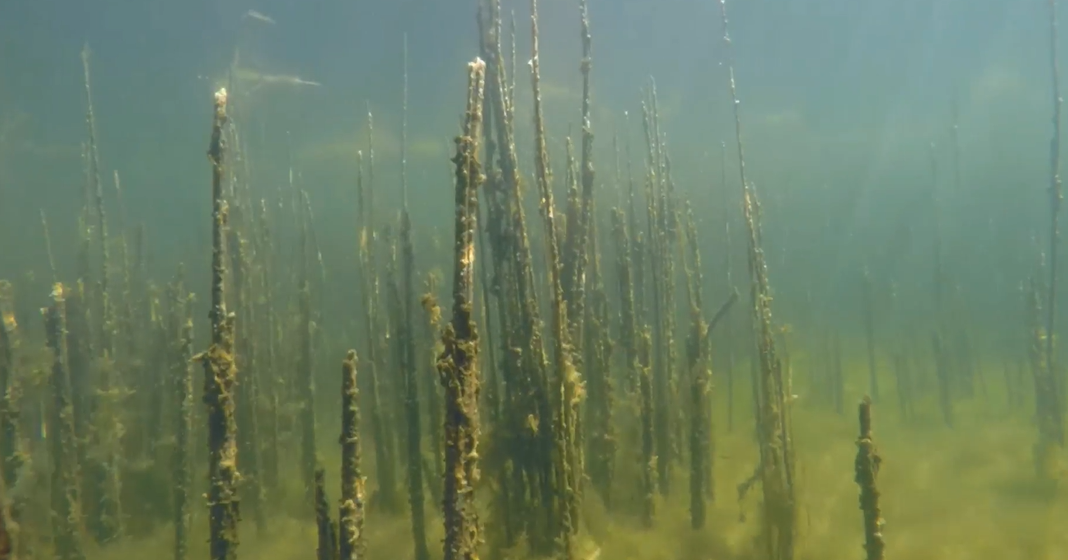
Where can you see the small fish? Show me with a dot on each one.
(532, 423)
(258, 16)
(10, 324)
(286, 80)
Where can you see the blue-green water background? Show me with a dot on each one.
(841, 101)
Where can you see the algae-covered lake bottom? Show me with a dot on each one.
(947, 494)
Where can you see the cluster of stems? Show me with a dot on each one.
(567, 386)
(773, 418)
(525, 437)
(66, 500)
(384, 468)
(1049, 414)
(11, 459)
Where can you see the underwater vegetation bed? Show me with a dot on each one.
(569, 372)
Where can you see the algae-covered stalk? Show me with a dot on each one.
(576, 258)
(407, 341)
(182, 325)
(124, 322)
(247, 395)
(1048, 411)
(776, 470)
(7, 527)
(668, 216)
(105, 485)
(327, 549)
(638, 250)
(567, 385)
(429, 303)
(663, 231)
(458, 364)
(600, 411)
(648, 417)
(80, 341)
(369, 292)
(697, 363)
(307, 380)
(66, 532)
(1056, 198)
(491, 276)
(271, 452)
(869, 332)
(776, 445)
(866, 467)
(96, 190)
(350, 516)
(220, 375)
(728, 336)
(661, 379)
(636, 343)
(10, 458)
(628, 320)
(48, 247)
(530, 415)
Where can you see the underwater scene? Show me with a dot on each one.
(532, 279)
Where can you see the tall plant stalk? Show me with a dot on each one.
(458, 363)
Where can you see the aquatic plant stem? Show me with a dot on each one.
(531, 418)
(1056, 197)
(48, 247)
(414, 435)
(458, 363)
(776, 470)
(8, 528)
(700, 382)
(866, 468)
(66, 532)
(182, 325)
(728, 273)
(635, 343)
(308, 460)
(11, 459)
(106, 519)
(327, 549)
(384, 462)
(351, 513)
(567, 385)
(220, 374)
(868, 307)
